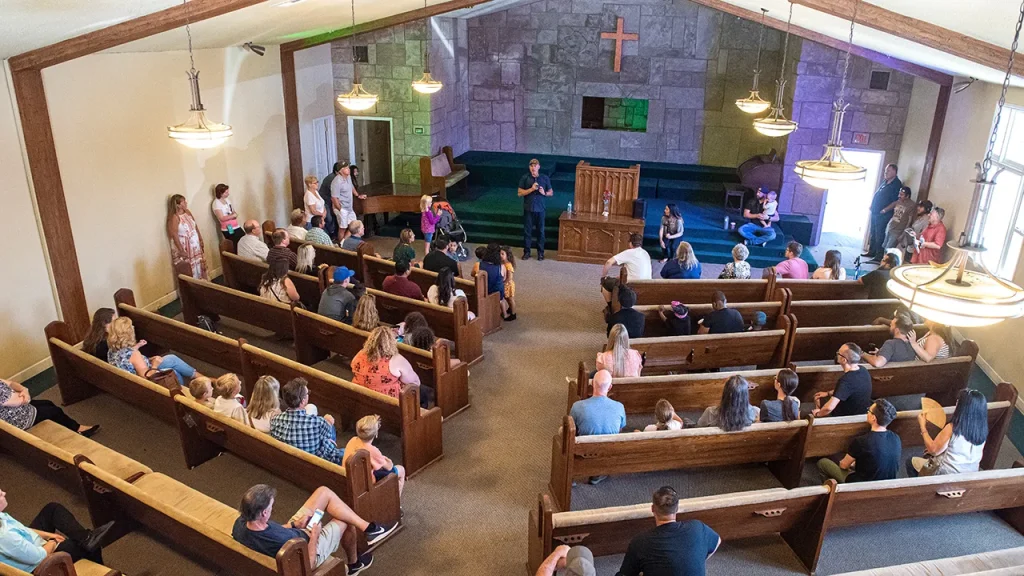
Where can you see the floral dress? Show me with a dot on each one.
(739, 270)
(376, 376)
(192, 244)
(18, 416)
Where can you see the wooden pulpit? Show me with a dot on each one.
(594, 232)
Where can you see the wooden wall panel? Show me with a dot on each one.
(592, 181)
(291, 127)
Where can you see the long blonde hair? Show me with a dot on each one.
(122, 333)
(425, 202)
(381, 344)
(306, 257)
(684, 254)
(618, 345)
(266, 397)
(365, 316)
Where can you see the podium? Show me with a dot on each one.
(588, 235)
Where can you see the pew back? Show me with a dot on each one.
(822, 343)
(202, 297)
(655, 327)
(821, 289)
(765, 348)
(815, 313)
(699, 291)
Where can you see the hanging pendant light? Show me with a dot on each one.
(952, 294)
(357, 99)
(754, 104)
(426, 84)
(775, 124)
(832, 169)
(197, 132)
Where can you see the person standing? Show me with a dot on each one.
(902, 212)
(670, 232)
(342, 192)
(881, 211)
(227, 218)
(330, 221)
(533, 187)
(929, 243)
(187, 248)
(315, 205)
(672, 547)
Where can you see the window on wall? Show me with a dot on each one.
(628, 114)
(1001, 217)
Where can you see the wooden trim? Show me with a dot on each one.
(877, 57)
(918, 31)
(938, 124)
(291, 127)
(125, 32)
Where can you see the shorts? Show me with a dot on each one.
(381, 473)
(329, 542)
(345, 217)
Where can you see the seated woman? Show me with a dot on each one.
(54, 529)
(124, 354)
(227, 390)
(306, 256)
(379, 366)
(265, 402)
(739, 268)
(734, 412)
(491, 263)
(785, 407)
(365, 317)
(832, 269)
(95, 342)
(960, 444)
(618, 358)
(684, 266)
(18, 409)
(444, 292)
(367, 429)
(201, 389)
(667, 418)
(934, 344)
(276, 285)
(404, 249)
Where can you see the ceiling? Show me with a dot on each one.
(30, 24)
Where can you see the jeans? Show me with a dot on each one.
(181, 369)
(879, 222)
(756, 233)
(829, 469)
(531, 221)
(669, 251)
(46, 410)
(56, 518)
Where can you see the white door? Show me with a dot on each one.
(325, 145)
(847, 207)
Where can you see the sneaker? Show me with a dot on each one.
(364, 562)
(511, 317)
(90, 431)
(526, 256)
(595, 480)
(540, 257)
(375, 532)
(95, 539)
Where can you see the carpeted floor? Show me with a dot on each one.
(466, 515)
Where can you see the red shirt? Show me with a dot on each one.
(402, 286)
(933, 233)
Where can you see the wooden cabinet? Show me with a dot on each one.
(593, 238)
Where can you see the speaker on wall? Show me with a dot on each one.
(639, 208)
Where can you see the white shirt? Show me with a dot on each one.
(637, 263)
(823, 273)
(297, 233)
(231, 408)
(341, 188)
(671, 424)
(252, 248)
(313, 202)
(222, 208)
(432, 296)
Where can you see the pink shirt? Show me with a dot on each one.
(634, 363)
(794, 268)
(377, 460)
(428, 221)
(933, 233)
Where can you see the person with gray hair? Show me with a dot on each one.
(929, 243)
(251, 246)
(852, 394)
(599, 414)
(672, 547)
(255, 530)
(297, 229)
(575, 561)
(739, 268)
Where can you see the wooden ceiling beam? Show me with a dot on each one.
(940, 78)
(125, 32)
(918, 31)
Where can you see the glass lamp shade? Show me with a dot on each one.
(427, 85)
(753, 104)
(198, 132)
(830, 171)
(775, 126)
(357, 99)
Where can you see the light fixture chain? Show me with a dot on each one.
(188, 32)
(760, 41)
(785, 44)
(986, 165)
(849, 46)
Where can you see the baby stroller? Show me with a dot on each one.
(450, 228)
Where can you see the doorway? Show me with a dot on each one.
(325, 145)
(371, 146)
(845, 224)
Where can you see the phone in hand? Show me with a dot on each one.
(315, 518)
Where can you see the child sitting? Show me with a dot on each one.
(228, 389)
(201, 389)
(367, 429)
(667, 418)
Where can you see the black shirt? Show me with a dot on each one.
(877, 455)
(534, 201)
(678, 326)
(101, 350)
(282, 253)
(876, 281)
(674, 549)
(633, 321)
(437, 260)
(854, 393)
(724, 321)
(755, 207)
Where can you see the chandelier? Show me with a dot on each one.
(197, 131)
(952, 294)
(357, 99)
(833, 169)
(754, 104)
(426, 84)
(775, 123)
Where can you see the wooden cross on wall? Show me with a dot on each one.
(618, 36)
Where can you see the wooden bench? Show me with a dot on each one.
(818, 313)
(245, 275)
(802, 516)
(996, 563)
(205, 434)
(821, 289)
(655, 327)
(191, 522)
(329, 255)
(60, 564)
(691, 292)
(449, 323)
(822, 343)
(438, 173)
(206, 298)
(486, 306)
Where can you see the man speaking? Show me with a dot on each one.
(533, 187)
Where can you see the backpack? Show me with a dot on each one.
(207, 323)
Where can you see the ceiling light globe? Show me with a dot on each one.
(357, 99)
(753, 104)
(198, 132)
(427, 85)
(980, 300)
(775, 127)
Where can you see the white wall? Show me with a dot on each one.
(917, 132)
(314, 86)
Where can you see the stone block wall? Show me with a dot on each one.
(449, 124)
(625, 114)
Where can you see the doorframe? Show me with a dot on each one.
(352, 139)
(816, 237)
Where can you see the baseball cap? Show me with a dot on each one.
(342, 273)
(579, 562)
(760, 318)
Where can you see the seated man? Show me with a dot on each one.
(722, 319)
(635, 260)
(633, 320)
(792, 267)
(53, 530)
(599, 414)
(897, 348)
(297, 230)
(878, 279)
(575, 561)
(873, 456)
(280, 250)
(337, 301)
(316, 233)
(758, 230)
(400, 285)
(251, 246)
(441, 255)
(671, 548)
(297, 427)
(354, 237)
(852, 394)
(255, 530)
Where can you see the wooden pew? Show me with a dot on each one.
(486, 306)
(817, 313)
(60, 564)
(191, 522)
(654, 327)
(316, 337)
(802, 516)
(203, 297)
(808, 344)
(449, 323)
(245, 276)
(691, 292)
(329, 255)
(205, 434)
(821, 289)
(765, 349)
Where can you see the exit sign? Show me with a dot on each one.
(417, 130)
(861, 138)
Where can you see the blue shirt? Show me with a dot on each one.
(20, 547)
(268, 541)
(598, 415)
(672, 270)
(308, 433)
(534, 201)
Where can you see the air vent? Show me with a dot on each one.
(879, 80)
(361, 54)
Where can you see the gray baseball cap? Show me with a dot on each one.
(579, 562)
